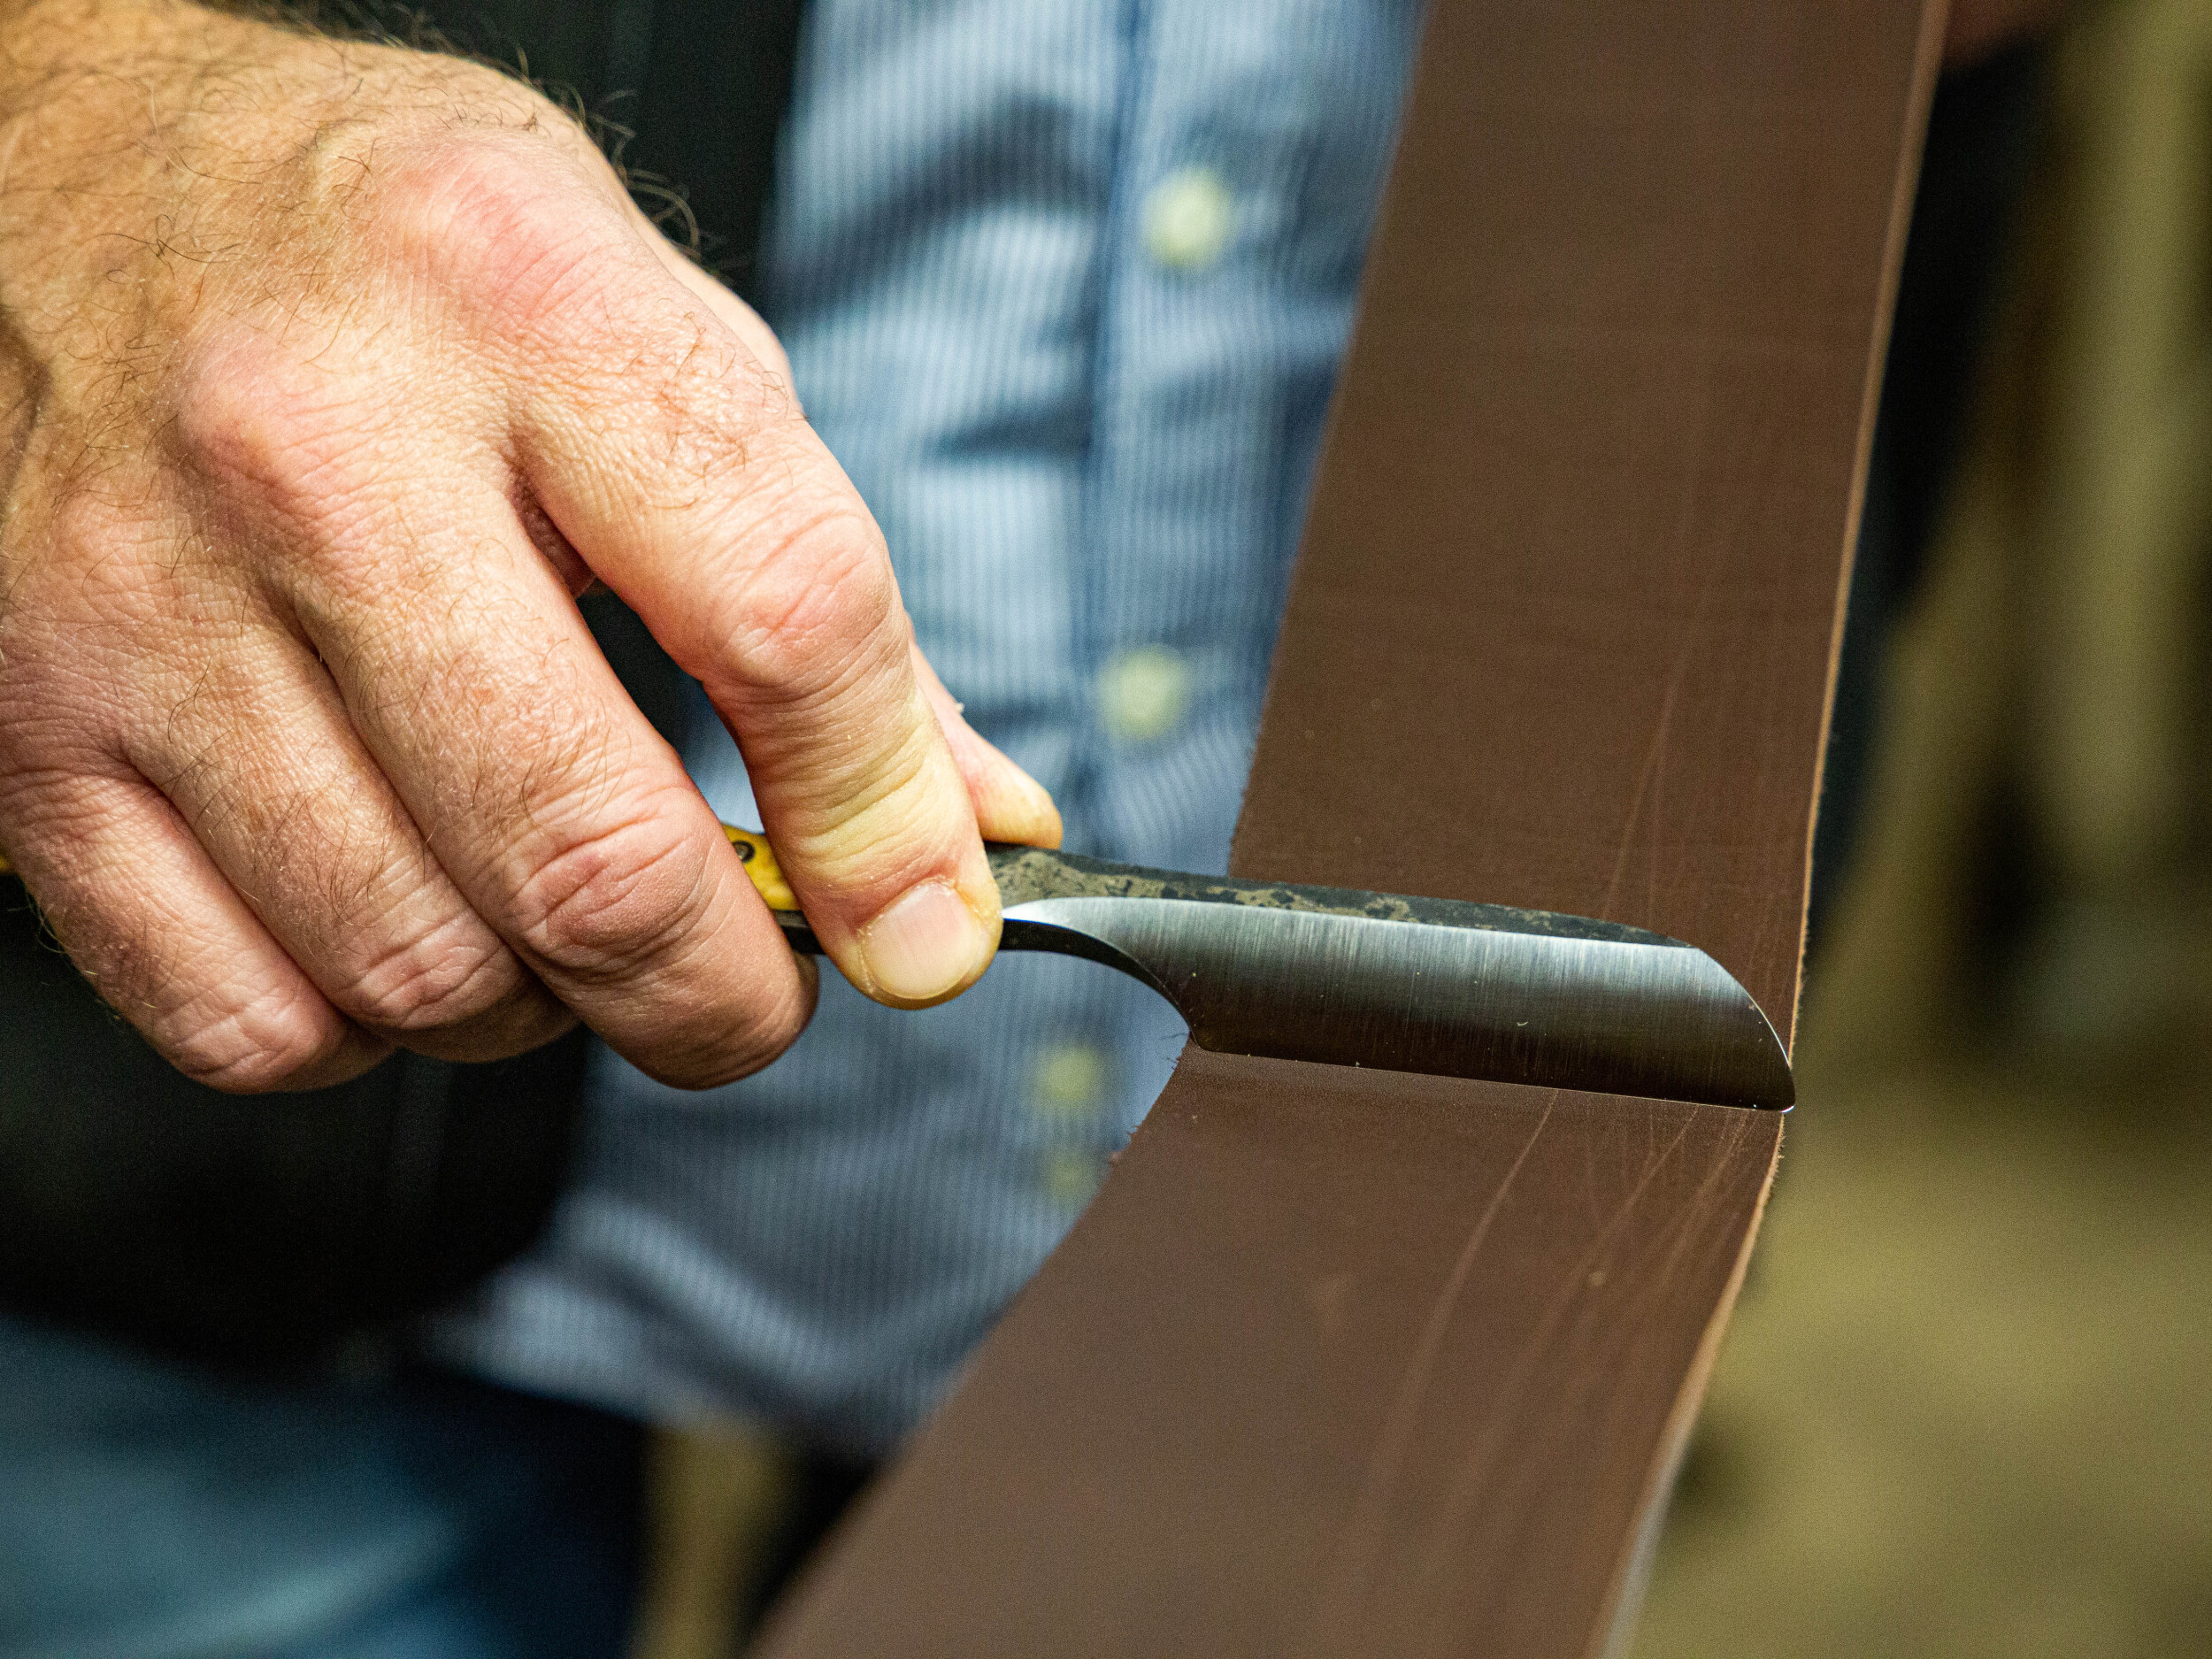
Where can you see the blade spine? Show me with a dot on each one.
(1244, 892)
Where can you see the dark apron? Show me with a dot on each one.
(272, 1230)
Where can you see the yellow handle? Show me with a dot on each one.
(758, 856)
(760, 864)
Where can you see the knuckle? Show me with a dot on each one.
(79, 526)
(253, 417)
(265, 1044)
(500, 219)
(102, 576)
(817, 609)
(451, 974)
(621, 898)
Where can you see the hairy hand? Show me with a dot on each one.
(332, 372)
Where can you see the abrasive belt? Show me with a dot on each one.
(1351, 1362)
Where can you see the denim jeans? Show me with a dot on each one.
(150, 1510)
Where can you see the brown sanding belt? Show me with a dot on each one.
(1346, 1362)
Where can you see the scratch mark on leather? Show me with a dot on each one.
(1460, 1498)
(1646, 780)
(1350, 1575)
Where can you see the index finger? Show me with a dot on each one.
(683, 473)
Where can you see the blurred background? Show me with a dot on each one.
(1966, 1405)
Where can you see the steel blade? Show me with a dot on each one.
(1409, 983)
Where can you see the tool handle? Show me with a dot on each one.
(759, 859)
(752, 851)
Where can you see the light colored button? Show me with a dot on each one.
(1069, 1079)
(1072, 1175)
(1188, 218)
(1144, 693)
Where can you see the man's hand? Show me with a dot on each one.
(330, 373)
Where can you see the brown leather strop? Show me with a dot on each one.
(1346, 1362)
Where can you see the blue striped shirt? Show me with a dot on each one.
(1064, 285)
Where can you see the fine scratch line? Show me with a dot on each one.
(1364, 1529)
(1647, 779)
(1461, 1498)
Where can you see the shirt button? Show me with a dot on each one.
(1188, 218)
(1069, 1079)
(1143, 694)
(1072, 1176)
